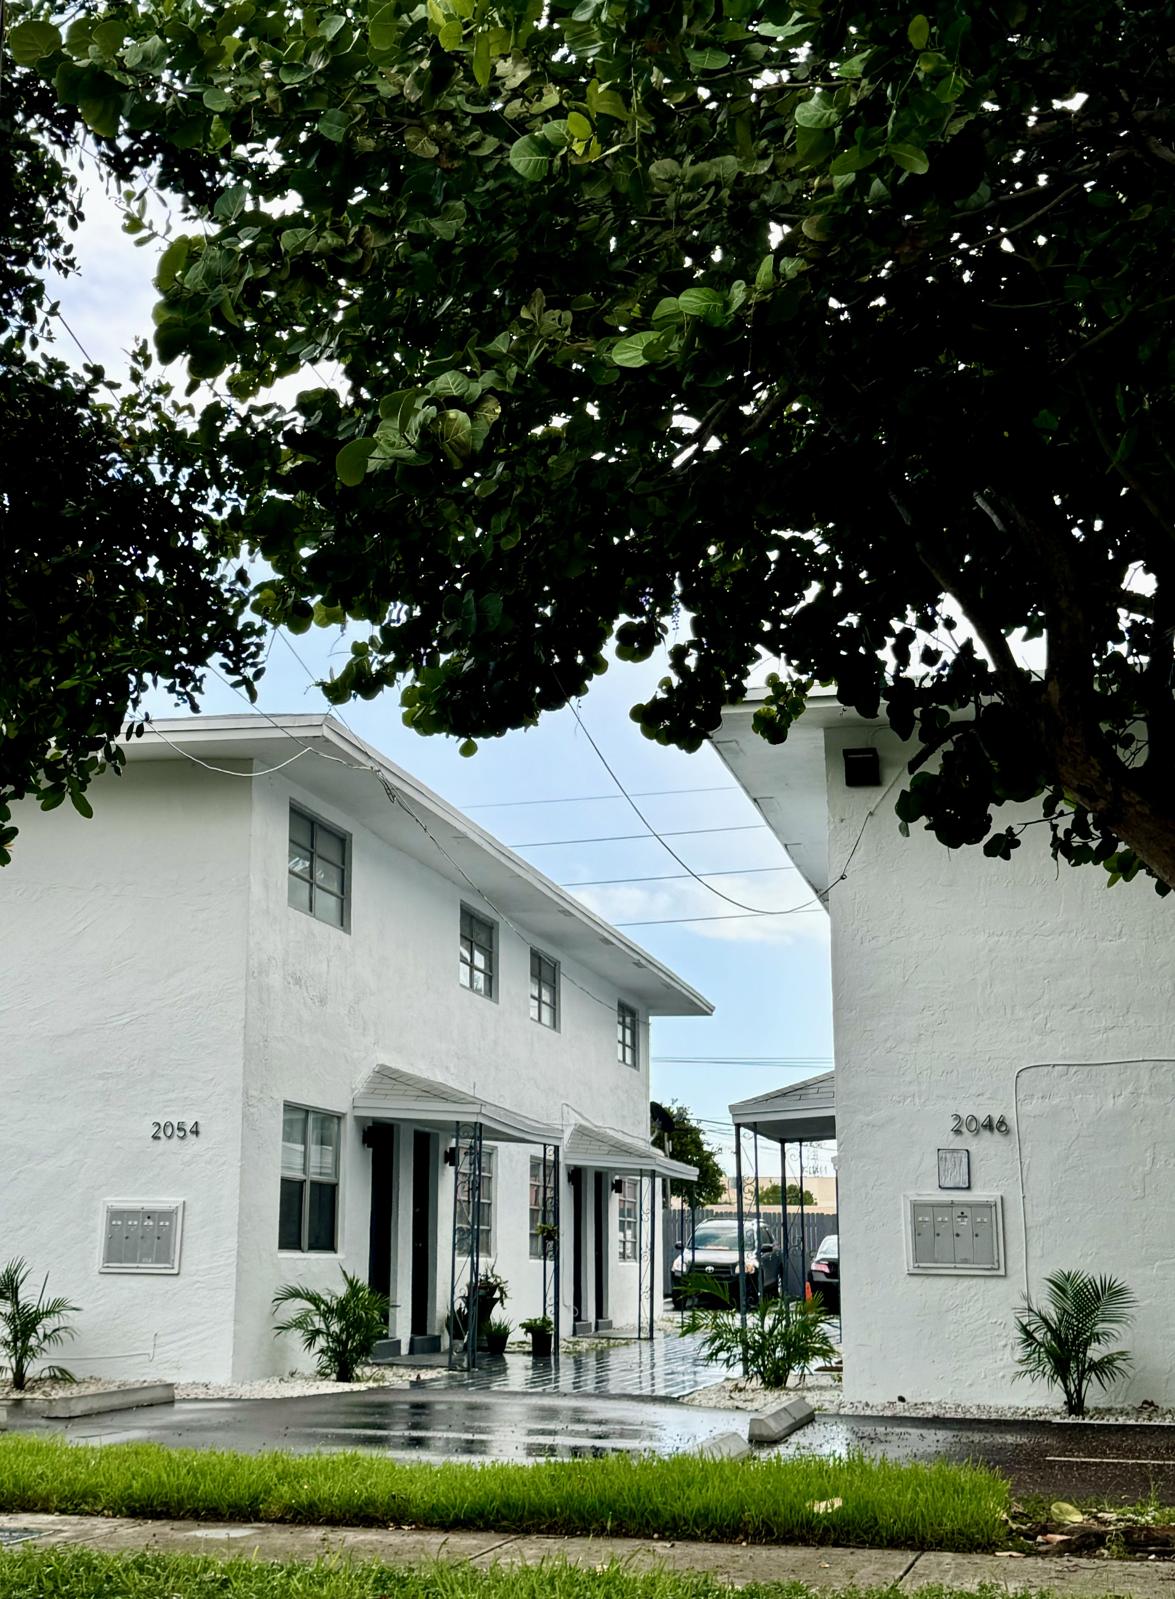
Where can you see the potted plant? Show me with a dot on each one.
(548, 1236)
(541, 1330)
(498, 1335)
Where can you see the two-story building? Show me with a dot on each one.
(1004, 1071)
(259, 1015)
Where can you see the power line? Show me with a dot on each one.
(618, 838)
(809, 906)
(676, 877)
(584, 799)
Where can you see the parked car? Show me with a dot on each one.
(824, 1273)
(712, 1254)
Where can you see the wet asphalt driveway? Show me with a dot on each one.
(1061, 1460)
(436, 1425)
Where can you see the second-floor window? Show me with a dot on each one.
(544, 990)
(309, 1214)
(626, 1217)
(627, 1035)
(317, 882)
(478, 949)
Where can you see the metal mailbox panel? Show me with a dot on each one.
(141, 1238)
(963, 1238)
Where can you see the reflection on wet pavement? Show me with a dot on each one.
(441, 1426)
(667, 1367)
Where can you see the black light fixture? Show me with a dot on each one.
(451, 1155)
(618, 1185)
(862, 768)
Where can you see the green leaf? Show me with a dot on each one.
(483, 60)
(638, 349)
(382, 31)
(530, 157)
(819, 226)
(578, 125)
(710, 304)
(765, 276)
(28, 42)
(351, 461)
(451, 34)
(81, 804)
(854, 66)
(909, 157)
(230, 203)
(918, 32)
(294, 239)
(333, 125)
(707, 60)
(171, 263)
(455, 431)
(102, 114)
(420, 144)
(818, 112)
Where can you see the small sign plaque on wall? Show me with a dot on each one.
(954, 1168)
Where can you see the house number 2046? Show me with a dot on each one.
(972, 1124)
(179, 1130)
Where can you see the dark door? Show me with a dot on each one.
(602, 1191)
(579, 1283)
(422, 1233)
(381, 1141)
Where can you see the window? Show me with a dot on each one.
(477, 953)
(544, 990)
(309, 1215)
(485, 1207)
(629, 1200)
(535, 1202)
(627, 1023)
(318, 869)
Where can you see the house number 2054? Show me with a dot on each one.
(179, 1130)
(972, 1124)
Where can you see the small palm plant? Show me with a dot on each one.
(339, 1330)
(1063, 1344)
(29, 1328)
(782, 1335)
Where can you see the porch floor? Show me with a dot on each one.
(667, 1367)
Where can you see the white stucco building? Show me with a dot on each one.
(246, 1009)
(1018, 1016)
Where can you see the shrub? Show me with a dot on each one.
(30, 1327)
(339, 1330)
(1058, 1343)
(782, 1336)
(539, 1324)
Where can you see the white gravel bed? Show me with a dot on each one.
(43, 1389)
(825, 1393)
(298, 1385)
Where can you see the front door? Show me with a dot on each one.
(579, 1224)
(423, 1234)
(600, 1245)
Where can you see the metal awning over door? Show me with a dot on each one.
(390, 1094)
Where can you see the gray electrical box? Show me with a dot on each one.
(965, 1237)
(142, 1237)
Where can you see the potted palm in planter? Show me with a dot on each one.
(541, 1330)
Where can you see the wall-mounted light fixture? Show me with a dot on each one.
(862, 768)
(618, 1185)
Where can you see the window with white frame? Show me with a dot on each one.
(535, 1206)
(544, 990)
(317, 882)
(478, 952)
(627, 1217)
(627, 1035)
(308, 1218)
(485, 1206)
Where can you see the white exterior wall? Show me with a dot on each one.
(953, 973)
(122, 1004)
(326, 1007)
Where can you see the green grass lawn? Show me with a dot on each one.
(874, 1503)
(85, 1574)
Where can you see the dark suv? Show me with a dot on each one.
(711, 1256)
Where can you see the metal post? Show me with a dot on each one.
(784, 1218)
(742, 1253)
(555, 1176)
(475, 1250)
(803, 1232)
(654, 1223)
(758, 1224)
(453, 1239)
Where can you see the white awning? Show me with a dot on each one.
(392, 1095)
(604, 1149)
(805, 1111)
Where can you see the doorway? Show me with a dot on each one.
(422, 1298)
(381, 1140)
(603, 1190)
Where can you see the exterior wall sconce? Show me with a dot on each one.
(862, 768)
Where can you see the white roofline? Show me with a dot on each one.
(353, 751)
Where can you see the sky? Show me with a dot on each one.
(546, 793)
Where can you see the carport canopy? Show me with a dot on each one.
(797, 1115)
(392, 1095)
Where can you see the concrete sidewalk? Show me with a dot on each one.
(834, 1569)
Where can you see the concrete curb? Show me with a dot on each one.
(725, 1446)
(769, 1426)
(66, 1407)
